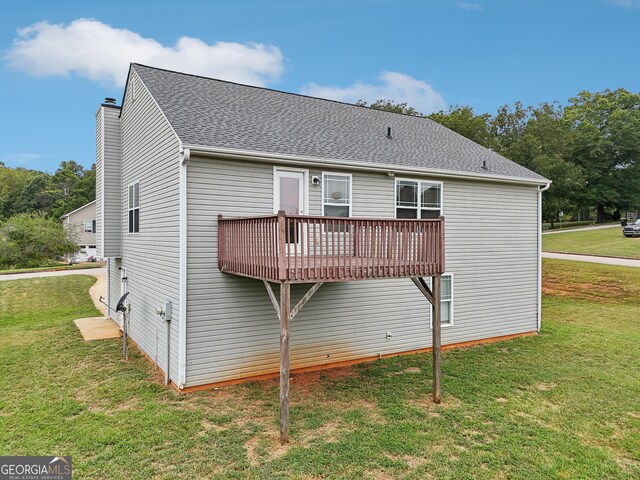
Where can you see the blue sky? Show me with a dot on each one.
(58, 60)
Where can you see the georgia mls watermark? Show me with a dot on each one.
(35, 468)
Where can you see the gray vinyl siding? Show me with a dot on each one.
(233, 331)
(150, 155)
(75, 223)
(108, 182)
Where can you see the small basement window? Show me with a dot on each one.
(418, 199)
(134, 207)
(446, 300)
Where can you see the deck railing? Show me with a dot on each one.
(302, 248)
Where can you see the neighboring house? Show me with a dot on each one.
(82, 224)
(362, 192)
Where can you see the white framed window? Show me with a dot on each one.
(446, 300)
(336, 194)
(418, 198)
(336, 198)
(89, 226)
(134, 207)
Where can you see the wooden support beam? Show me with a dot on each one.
(285, 317)
(424, 288)
(437, 337)
(272, 296)
(305, 299)
(282, 246)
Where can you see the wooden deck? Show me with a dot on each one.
(309, 249)
(304, 249)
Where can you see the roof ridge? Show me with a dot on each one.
(425, 143)
(425, 117)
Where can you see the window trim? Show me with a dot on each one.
(451, 301)
(92, 228)
(129, 209)
(418, 207)
(350, 204)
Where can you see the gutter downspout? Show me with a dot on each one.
(108, 288)
(541, 189)
(185, 154)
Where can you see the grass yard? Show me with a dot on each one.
(608, 242)
(563, 404)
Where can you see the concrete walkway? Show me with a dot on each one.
(583, 229)
(623, 262)
(95, 272)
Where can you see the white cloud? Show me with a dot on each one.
(394, 86)
(469, 6)
(102, 53)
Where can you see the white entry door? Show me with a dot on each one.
(290, 195)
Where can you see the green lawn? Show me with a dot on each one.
(608, 242)
(563, 404)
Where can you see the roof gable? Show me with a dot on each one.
(219, 114)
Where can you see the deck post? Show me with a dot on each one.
(282, 245)
(437, 338)
(221, 242)
(285, 314)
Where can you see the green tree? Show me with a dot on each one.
(33, 197)
(12, 182)
(606, 144)
(463, 120)
(70, 187)
(508, 127)
(33, 240)
(391, 106)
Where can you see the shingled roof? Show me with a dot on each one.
(219, 114)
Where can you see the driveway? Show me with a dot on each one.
(582, 229)
(95, 272)
(623, 262)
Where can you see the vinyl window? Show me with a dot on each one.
(336, 195)
(89, 226)
(418, 198)
(134, 207)
(446, 300)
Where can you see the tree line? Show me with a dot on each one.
(589, 148)
(24, 190)
(31, 204)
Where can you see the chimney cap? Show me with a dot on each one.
(110, 101)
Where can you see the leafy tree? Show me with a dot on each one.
(32, 240)
(606, 145)
(33, 197)
(12, 181)
(464, 121)
(391, 106)
(70, 187)
(509, 125)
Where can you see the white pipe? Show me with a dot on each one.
(108, 288)
(185, 153)
(541, 189)
(167, 380)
